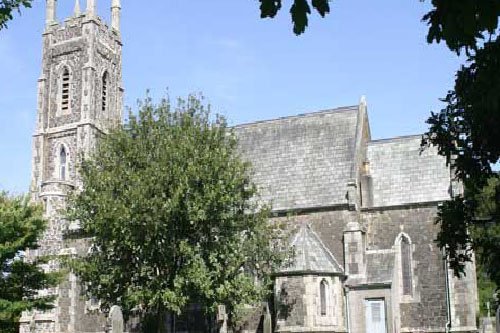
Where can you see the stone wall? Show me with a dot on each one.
(426, 308)
(87, 48)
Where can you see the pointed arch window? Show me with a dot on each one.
(406, 268)
(323, 290)
(104, 93)
(65, 90)
(62, 163)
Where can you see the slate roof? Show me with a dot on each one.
(402, 174)
(301, 161)
(311, 255)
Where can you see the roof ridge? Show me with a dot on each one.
(300, 115)
(395, 138)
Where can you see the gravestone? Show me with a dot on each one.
(267, 327)
(487, 325)
(222, 318)
(115, 320)
(498, 319)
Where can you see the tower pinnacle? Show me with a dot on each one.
(115, 15)
(50, 12)
(91, 7)
(76, 10)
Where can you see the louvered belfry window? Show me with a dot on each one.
(104, 90)
(65, 90)
(406, 265)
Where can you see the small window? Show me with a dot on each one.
(283, 307)
(323, 288)
(104, 95)
(406, 265)
(62, 163)
(65, 85)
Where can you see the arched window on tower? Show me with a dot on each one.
(406, 265)
(65, 90)
(104, 93)
(62, 163)
(323, 290)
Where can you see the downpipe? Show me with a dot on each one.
(448, 302)
(348, 321)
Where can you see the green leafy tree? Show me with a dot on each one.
(7, 7)
(20, 226)
(173, 217)
(466, 131)
(486, 233)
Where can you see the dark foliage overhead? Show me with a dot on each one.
(462, 24)
(7, 7)
(467, 131)
(299, 11)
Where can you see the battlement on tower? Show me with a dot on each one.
(76, 27)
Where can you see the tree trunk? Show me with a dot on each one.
(161, 320)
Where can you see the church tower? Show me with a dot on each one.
(79, 99)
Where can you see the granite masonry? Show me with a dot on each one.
(362, 211)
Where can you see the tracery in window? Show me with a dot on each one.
(406, 265)
(323, 288)
(65, 90)
(104, 93)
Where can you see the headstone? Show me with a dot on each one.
(32, 326)
(115, 319)
(222, 318)
(487, 325)
(498, 320)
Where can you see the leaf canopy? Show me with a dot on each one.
(173, 216)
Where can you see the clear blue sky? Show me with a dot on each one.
(248, 68)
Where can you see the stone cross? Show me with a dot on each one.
(115, 320)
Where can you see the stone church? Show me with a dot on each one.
(362, 210)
